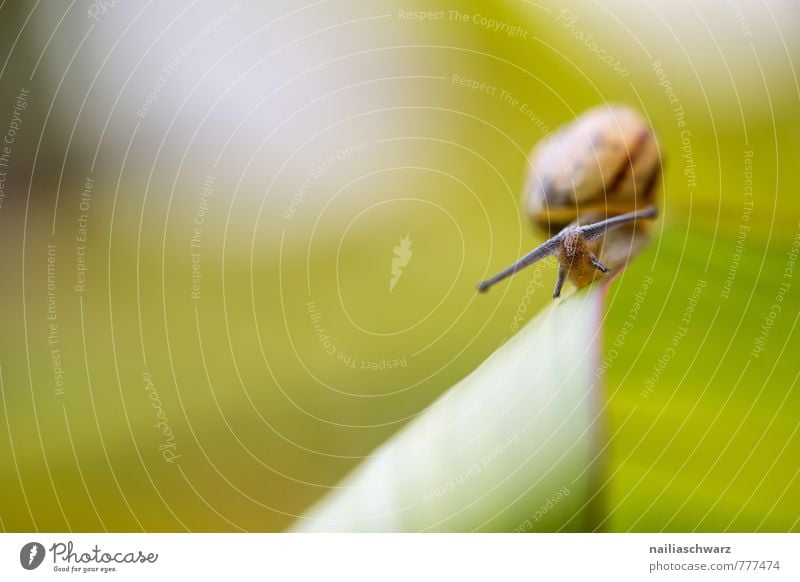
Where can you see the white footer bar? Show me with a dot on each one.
(415, 557)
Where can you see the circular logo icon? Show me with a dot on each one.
(31, 555)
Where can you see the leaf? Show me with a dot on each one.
(514, 446)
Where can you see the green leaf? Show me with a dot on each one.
(515, 446)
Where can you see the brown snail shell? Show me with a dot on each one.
(605, 163)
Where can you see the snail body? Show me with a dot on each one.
(591, 187)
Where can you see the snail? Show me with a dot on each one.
(591, 187)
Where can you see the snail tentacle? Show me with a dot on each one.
(596, 230)
(598, 264)
(562, 277)
(547, 248)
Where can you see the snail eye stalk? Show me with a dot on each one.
(594, 231)
(576, 239)
(543, 251)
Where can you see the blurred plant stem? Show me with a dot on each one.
(515, 446)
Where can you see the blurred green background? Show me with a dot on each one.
(252, 170)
